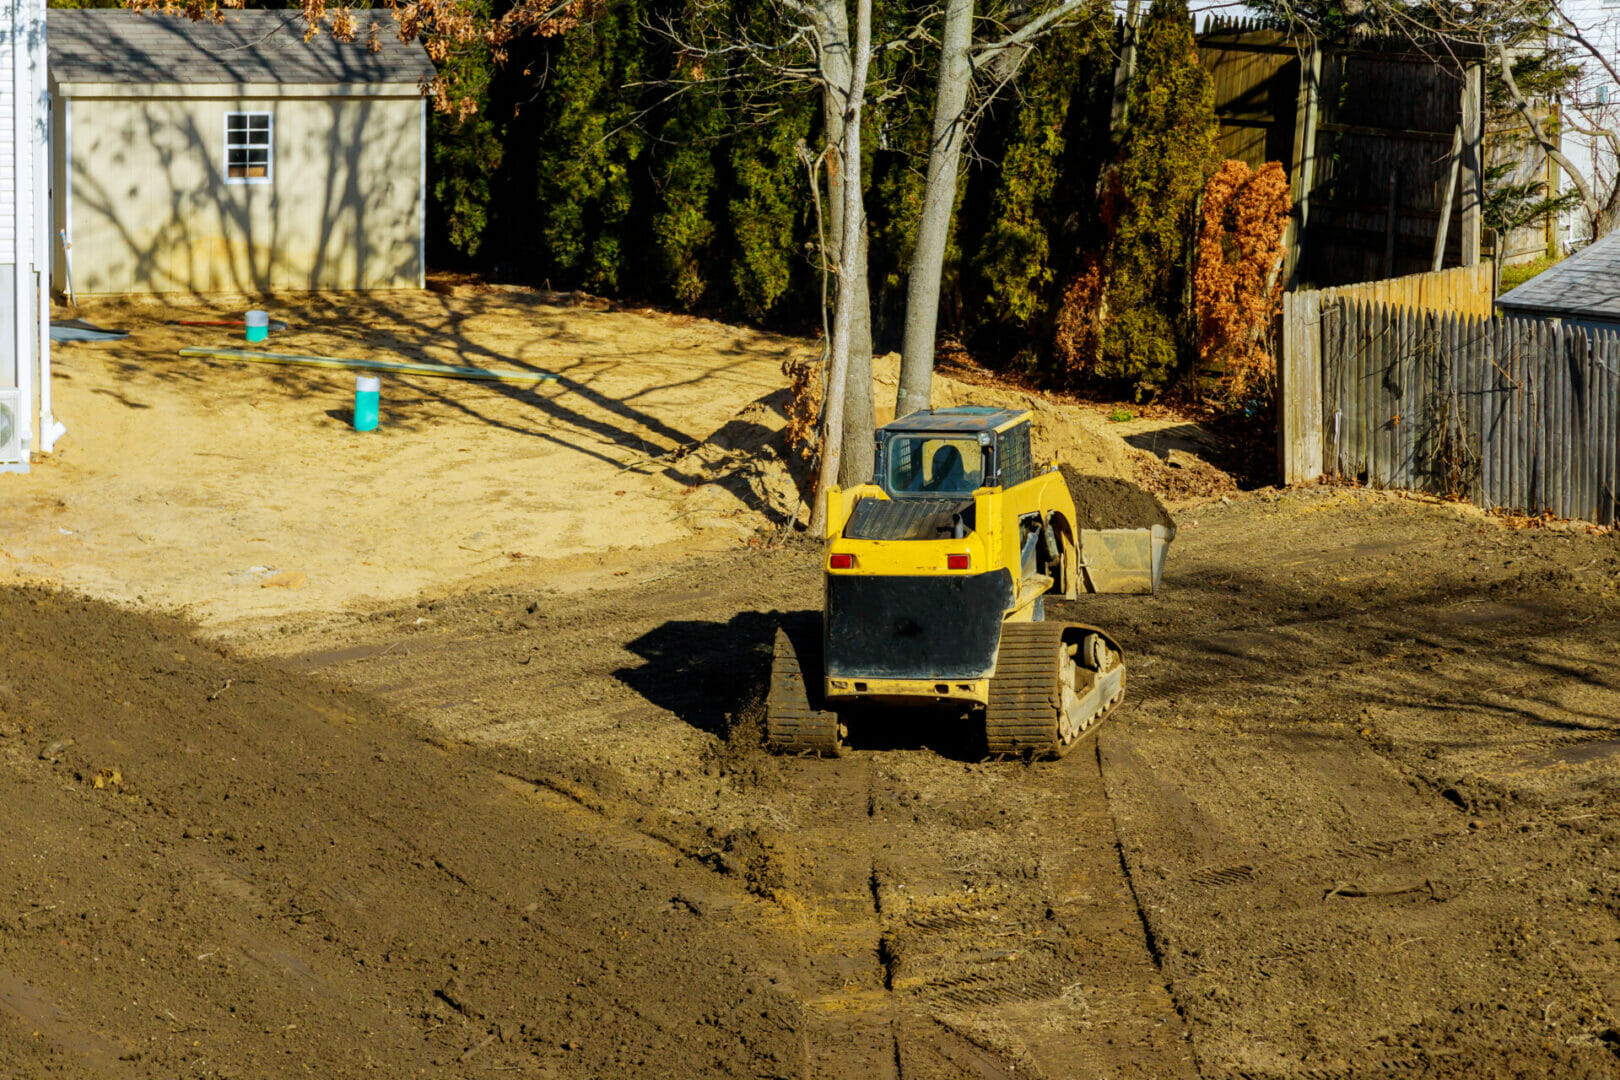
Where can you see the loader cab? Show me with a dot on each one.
(951, 453)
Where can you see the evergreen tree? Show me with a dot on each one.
(683, 198)
(588, 146)
(767, 211)
(1040, 198)
(464, 150)
(1167, 154)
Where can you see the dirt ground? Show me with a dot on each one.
(1357, 817)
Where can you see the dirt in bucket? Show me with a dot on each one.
(1107, 502)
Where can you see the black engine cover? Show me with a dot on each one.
(940, 627)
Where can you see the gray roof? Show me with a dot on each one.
(1585, 285)
(960, 418)
(114, 46)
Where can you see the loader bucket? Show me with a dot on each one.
(1124, 560)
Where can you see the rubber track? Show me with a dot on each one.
(1022, 715)
(793, 722)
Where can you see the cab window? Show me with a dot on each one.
(1017, 463)
(934, 465)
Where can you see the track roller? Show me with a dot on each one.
(1054, 682)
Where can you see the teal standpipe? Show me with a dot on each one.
(367, 391)
(258, 325)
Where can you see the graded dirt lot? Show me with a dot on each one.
(1357, 819)
(457, 804)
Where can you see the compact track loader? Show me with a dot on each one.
(936, 578)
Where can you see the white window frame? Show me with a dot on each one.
(270, 147)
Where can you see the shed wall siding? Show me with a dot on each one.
(151, 211)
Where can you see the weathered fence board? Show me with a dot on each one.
(1300, 401)
(1520, 414)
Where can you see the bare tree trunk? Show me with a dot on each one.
(831, 20)
(1599, 209)
(852, 250)
(859, 420)
(939, 198)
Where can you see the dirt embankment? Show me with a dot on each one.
(213, 867)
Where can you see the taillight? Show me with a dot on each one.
(841, 562)
(958, 562)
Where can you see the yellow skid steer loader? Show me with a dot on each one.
(936, 577)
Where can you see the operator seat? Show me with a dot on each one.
(948, 472)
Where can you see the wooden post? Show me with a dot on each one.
(1125, 69)
(1303, 167)
(1299, 393)
(1389, 227)
(1473, 171)
(1444, 228)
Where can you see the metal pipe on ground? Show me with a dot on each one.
(442, 371)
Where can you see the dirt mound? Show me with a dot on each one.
(207, 859)
(743, 475)
(1107, 502)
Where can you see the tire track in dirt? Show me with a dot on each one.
(1035, 951)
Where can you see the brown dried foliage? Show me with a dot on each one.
(804, 408)
(1237, 286)
(440, 25)
(1077, 335)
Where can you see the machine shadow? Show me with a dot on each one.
(951, 733)
(708, 673)
(715, 677)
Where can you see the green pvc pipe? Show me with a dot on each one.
(442, 371)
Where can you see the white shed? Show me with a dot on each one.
(240, 155)
(26, 423)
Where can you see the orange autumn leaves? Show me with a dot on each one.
(1237, 278)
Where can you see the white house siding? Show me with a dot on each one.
(8, 158)
(24, 345)
(150, 209)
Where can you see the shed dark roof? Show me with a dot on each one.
(1587, 284)
(112, 46)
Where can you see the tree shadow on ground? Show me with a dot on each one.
(589, 406)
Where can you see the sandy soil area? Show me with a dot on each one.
(239, 492)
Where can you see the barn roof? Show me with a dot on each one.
(249, 47)
(1587, 284)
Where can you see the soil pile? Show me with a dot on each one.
(210, 860)
(1107, 502)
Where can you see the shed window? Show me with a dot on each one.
(248, 147)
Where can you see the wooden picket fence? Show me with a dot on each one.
(1465, 290)
(1519, 414)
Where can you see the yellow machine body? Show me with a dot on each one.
(937, 573)
(864, 565)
